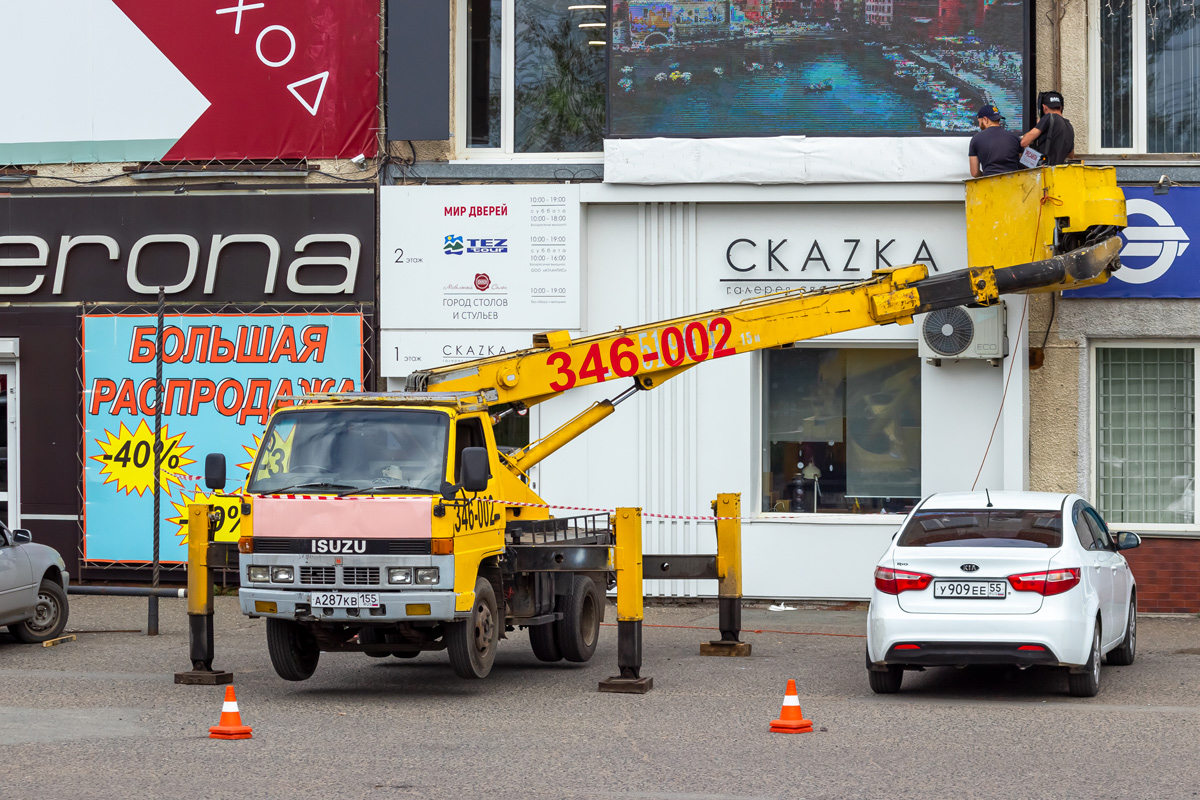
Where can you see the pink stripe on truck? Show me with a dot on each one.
(320, 518)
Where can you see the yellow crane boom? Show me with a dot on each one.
(653, 353)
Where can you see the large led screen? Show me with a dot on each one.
(813, 67)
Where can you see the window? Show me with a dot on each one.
(1147, 79)
(534, 76)
(467, 433)
(1101, 539)
(1082, 531)
(385, 450)
(983, 528)
(842, 430)
(1145, 434)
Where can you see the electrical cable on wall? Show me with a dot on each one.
(1012, 363)
(1053, 311)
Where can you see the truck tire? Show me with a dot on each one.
(294, 652)
(49, 616)
(579, 629)
(543, 639)
(472, 642)
(371, 635)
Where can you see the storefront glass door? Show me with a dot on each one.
(8, 450)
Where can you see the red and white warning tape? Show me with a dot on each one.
(548, 505)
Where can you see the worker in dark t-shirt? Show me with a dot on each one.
(993, 150)
(1053, 136)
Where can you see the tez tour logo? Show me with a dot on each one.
(453, 245)
(1149, 250)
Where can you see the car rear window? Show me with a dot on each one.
(983, 528)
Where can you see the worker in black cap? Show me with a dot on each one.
(1053, 136)
(994, 149)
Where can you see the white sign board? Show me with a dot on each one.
(747, 251)
(474, 258)
(404, 352)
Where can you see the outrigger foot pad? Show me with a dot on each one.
(203, 677)
(723, 648)
(622, 685)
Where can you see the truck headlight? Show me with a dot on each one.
(400, 575)
(427, 576)
(258, 574)
(283, 574)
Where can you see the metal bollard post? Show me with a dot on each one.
(200, 604)
(627, 557)
(728, 510)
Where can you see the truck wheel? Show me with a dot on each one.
(370, 635)
(579, 629)
(294, 651)
(545, 645)
(49, 616)
(472, 642)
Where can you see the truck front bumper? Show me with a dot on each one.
(393, 606)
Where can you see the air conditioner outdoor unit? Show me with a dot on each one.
(962, 332)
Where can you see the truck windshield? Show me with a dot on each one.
(390, 451)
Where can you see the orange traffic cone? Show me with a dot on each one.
(230, 726)
(791, 720)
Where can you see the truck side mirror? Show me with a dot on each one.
(475, 469)
(214, 471)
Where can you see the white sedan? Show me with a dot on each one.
(1023, 578)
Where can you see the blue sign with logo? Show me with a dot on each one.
(1157, 260)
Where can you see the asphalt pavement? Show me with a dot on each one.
(100, 717)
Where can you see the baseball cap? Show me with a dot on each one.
(990, 112)
(1052, 99)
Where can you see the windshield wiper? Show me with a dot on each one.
(395, 488)
(313, 485)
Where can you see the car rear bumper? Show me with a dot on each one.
(955, 654)
(952, 639)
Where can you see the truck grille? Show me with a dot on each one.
(319, 576)
(408, 547)
(360, 576)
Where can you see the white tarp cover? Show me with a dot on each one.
(787, 159)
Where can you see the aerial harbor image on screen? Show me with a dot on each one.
(814, 67)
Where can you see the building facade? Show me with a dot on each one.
(1111, 402)
(689, 155)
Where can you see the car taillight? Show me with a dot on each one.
(1050, 582)
(895, 581)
